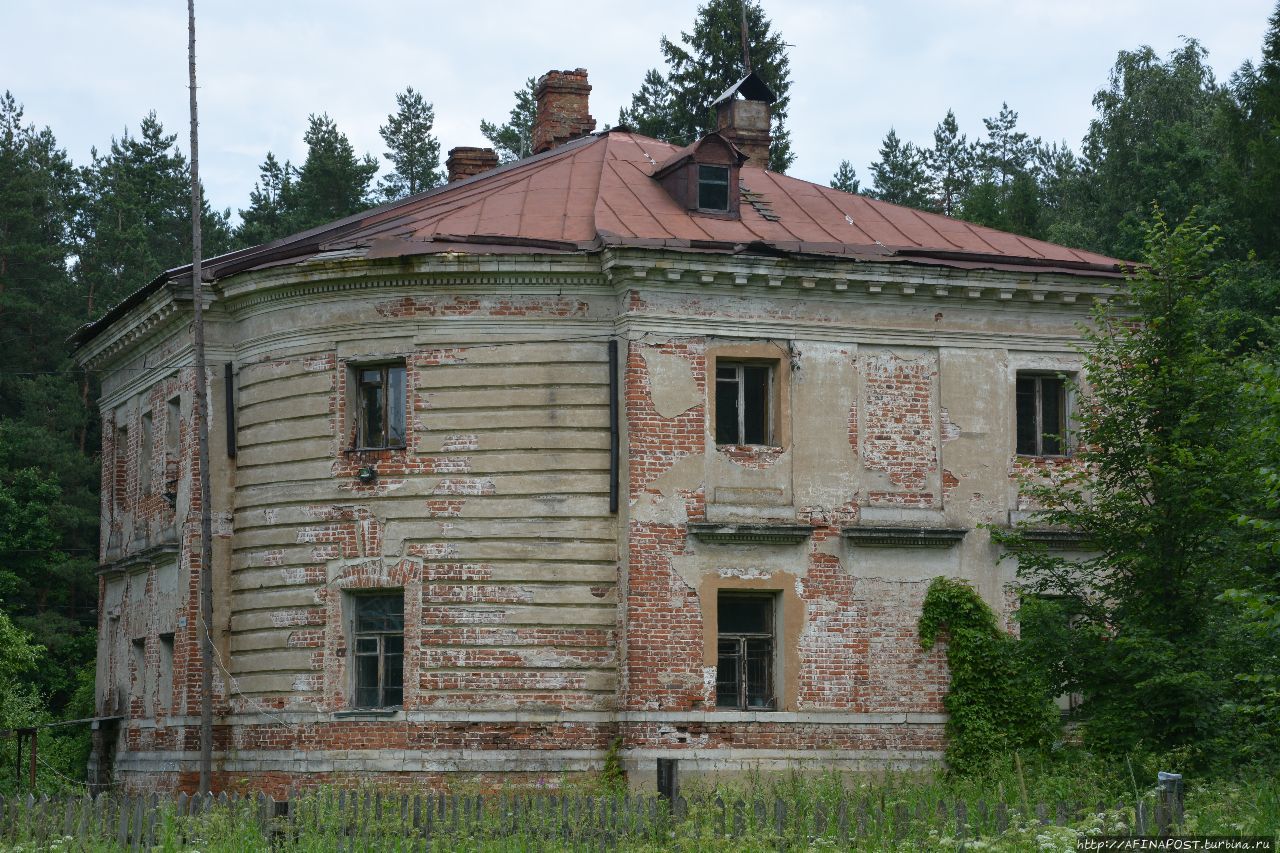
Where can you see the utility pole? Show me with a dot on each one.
(746, 44)
(201, 406)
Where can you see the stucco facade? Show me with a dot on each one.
(565, 518)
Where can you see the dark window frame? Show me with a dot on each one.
(1032, 436)
(760, 424)
(743, 648)
(704, 177)
(385, 437)
(371, 642)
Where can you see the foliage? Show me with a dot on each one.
(845, 179)
(412, 149)
(272, 204)
(514, 139)
(701, 66)
(899, 176)
(332, 182)
(997, 702)
(134, 220)
(1161, 473)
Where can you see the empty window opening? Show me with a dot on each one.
(120, 460)
(381, 403)
(744, 403)
(713, 188)
(144, 460)
(138, 685)
(379, 650)
(745, 651)
(1042, 414)
(164, 679)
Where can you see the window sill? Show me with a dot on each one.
(367, 713)
(396, 449)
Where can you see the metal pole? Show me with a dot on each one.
(202, 421)
(31, 768)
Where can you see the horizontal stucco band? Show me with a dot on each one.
(832, 718)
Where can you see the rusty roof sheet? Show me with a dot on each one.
(600, 191)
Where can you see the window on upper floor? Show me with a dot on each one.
(745, 641)
(713, 188)
(144, 454)
(1041, 412)
(745, 402)
(378, 649)
(380, 405)
(138, 683)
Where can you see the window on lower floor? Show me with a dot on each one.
(1041, 414)
(380, 403)
(378, 643)
(164, 688)
(745, 651)
(138, 663)
(744, 402)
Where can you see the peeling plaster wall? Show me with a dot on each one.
(540, 627)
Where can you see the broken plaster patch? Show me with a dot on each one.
(671, 384)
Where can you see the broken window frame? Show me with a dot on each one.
(392, 410)
(1047, 440)
(164, 673)
(762, 422)
(739, 645)
(709, 177)
(371, 641)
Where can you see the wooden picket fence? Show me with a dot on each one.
(378, 820)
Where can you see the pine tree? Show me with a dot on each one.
(514, 140)
(950, 163)
(135, 221)
(1254, 146)
(845, 179)
(332, 183)
(272, 204)
(651, 112)
(1007, 151)
(412, 149)
(37, 196)
(899, 176)
(706, 62)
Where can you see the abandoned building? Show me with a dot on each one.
(621, 445)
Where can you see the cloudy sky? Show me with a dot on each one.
(90, 69)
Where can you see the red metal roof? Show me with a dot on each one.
(599, 191)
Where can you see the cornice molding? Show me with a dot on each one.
(903, 537)
(756, 534)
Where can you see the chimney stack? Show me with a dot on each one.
(745, 121)
(746, 125)
(464, 162)
(562, 109)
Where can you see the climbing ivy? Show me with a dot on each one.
(998, 700)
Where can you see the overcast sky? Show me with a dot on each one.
(91, 69)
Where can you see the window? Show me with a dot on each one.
(713, 188)
(164, 691)
(120, 462)
(380, 404)
(379, 650)
(144, 460)
(743, 403)
(744, 662)
(1042, 414)
(138, 686)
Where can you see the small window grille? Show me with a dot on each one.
(745, 652)
(713, 188)
(1042, 415)
(379, 650)
(743, 403)
(381, 402)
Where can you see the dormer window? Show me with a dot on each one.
(713, 188)
(703, 178)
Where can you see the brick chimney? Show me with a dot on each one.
(562, 109)
(745, 121)
(465, 162)
(746, 125)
